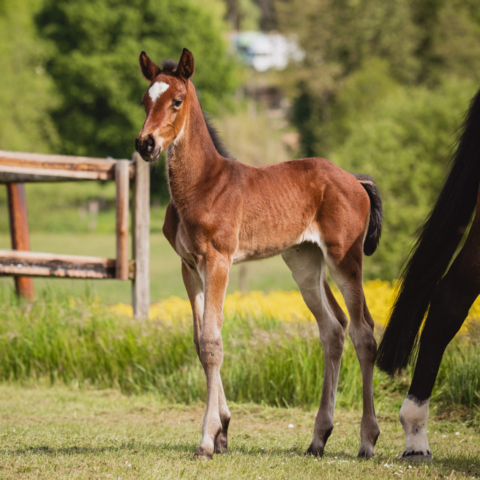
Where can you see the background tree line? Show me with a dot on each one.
(382, 89)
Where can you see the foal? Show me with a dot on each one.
(223, 212)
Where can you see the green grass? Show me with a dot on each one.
(82, 343)
(69, 433)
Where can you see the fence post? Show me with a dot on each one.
(141, 238)
(17, 209)
(122, 186)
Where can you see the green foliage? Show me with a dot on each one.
(383, 91)
(404, 140)
(338, 36)
(27, 92)
(93, 59)
(449, 38)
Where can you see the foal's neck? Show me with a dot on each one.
(191, 158)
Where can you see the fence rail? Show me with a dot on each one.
(17, 168)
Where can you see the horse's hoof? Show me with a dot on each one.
(413, 456)
(365, 452)
(316, 451)
(200, 454)
(221, 447)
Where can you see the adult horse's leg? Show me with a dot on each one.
(347, 274)
(308, 269)
(215, 269)
(449, 307)
(194, 287)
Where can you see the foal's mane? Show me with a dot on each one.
(169, 67)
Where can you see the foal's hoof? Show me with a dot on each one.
(366, 452)
(221, 445)
(200, 454)
(413, 456)
(315, 450)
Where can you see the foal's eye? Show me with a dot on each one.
(177, 103)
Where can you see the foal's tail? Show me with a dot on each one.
(436, 244)
(376, 214)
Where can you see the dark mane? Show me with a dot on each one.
(214, 135)
(169, 67)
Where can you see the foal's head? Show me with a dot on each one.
(165, 102)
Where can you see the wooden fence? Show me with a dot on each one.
(17, 168)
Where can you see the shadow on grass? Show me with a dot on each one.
(468, 466)
(179, 447)
(75, 450)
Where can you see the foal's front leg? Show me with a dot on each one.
(215, 269)
(194, 286)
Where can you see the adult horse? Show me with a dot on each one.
(223, 212)
(425, 286)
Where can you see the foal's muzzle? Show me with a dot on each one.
(147, 148)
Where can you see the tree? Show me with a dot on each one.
(404, 140)
(338, 37)
(93, 59)
(27, 91)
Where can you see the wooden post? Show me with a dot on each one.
(121, 182)
(17, 209)
(141, 238)
(243, 278)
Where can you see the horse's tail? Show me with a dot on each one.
(436, 244)
(376, 214)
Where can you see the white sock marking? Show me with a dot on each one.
(414, 418)
(157, 89)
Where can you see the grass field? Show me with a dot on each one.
(68, 433)
(87, 392)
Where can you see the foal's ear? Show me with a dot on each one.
(149, 69)
(186, 65)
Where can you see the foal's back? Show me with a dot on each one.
(285, 204)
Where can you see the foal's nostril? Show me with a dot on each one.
(150, 144)
(137, 145)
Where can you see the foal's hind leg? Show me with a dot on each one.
(449, 307)
(347, 273)
(194, 287)
(308, 269)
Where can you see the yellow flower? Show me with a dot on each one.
(282, 306)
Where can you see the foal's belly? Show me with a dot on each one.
(269, 245)
(263, 241)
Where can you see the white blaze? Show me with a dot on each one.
(157, 89)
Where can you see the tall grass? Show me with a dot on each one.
(266, 361)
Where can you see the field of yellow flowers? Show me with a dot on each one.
(283, 306)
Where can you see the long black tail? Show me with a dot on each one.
(436, 244)
(376, 214)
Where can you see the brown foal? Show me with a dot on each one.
(222, 212)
